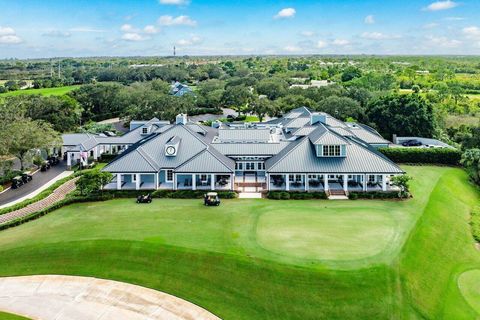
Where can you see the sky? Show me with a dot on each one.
(77, 28)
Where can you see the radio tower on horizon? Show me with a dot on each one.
(174, 51)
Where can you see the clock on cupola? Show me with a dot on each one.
(171, 147)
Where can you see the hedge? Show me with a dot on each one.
(446, 156)
(285, 195)
(475, 223)
(178, 194)
(107, 157)
(9, 176)
(373, 195)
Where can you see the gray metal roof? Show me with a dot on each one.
(367, 134)
(243, 134)
(249, 149)
(297, 122)
(206, 161)
(73, 139)
(321, 135)
(301, 158)
(305, 131)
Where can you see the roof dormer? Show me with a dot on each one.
(171, 146)
(146, 130)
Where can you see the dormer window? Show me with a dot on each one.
(145, 130)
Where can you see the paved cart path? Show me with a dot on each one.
(48, 297)
(57, 195)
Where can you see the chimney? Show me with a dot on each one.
(316, 117)
(181, 119)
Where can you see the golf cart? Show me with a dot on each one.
(26, 177)
(45, 166)
(144, 198)
(211, 199)
(17, 182)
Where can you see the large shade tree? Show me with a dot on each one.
(404, 115)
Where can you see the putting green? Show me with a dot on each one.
(469, 284)
(327, 233)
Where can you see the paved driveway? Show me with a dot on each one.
(50, 297)
(39, 179)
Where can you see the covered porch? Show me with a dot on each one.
(132, 181)
(320, 182)
(204, 181)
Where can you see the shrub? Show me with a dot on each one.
(7, 177)
(1, 188)
(475, 223)
(285, 195)
(107, 157)
(354, 195)
(447, 156)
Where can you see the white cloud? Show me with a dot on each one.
(443, 42)
(151, 29)
(9, 36)
(128, 28)
(292, 49)
(174, 2)
(189, 42)
(441, 5)
(307, 33)
(132, 36)
(454, 19)
(56, 34)
(370, 19)
(321, 44)
(378, 36)
(285, 13)
(430, 25)
(340, 42)
(86, 29)
(177, 21)
(472, 32)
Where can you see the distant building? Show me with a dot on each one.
(178, 89)
(313, 84)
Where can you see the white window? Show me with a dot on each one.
(371, 178)
(144, 130)
(169, 176)
(240, 166)
(291, 177)
(203, 177)
(134, 177)
(298, 177)
(331, 151)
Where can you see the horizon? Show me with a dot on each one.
(203, 28)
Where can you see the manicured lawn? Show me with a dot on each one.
(59, 91)
(256, 259)
(8, 316)
(469, 284)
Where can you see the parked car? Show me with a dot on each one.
(411, 143)
(211, 199)
(26, 177)
(144, 199)
(17, 182)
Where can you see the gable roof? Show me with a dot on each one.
(321, 135)
(301, 157)
(206, 161)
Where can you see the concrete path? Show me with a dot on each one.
(57, 195)
(53, 297)
(39, 180)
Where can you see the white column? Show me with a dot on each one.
(305, 181)
(119, 181)
(287, 182)
(194, 181)
(155, 180)
(384, 182)
(232, 181)
(325, 182)
(69, 159)
(365, 181)
(174, 181)
(212, 181)
(345, 182)
(137, 181)
(95, 153)
(268, 181)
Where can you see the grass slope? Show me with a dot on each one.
(9, 316)
(256, 259)
(59, 91)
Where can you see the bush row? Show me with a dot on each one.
(178, 194)
(475, 223)
(447, 156)
(373, 195)
(285, 195)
